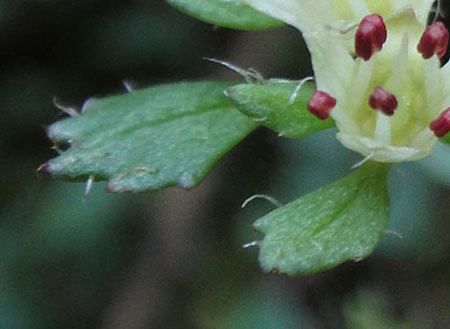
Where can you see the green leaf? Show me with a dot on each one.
(149, 138)
(269, 104)
(445, 139)
(339, 222)
(226, 13)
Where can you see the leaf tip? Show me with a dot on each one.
(257, 227)
(58, 133)
(50, 131)
(88, 104)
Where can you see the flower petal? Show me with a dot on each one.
(391, 7)
(332, 63)
(421, 8)
(308, 15)
(381, 152)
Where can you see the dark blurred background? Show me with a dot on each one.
(174, 259)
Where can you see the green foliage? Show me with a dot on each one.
(229, 306)
(226, 13)
(150, 138)
(269, 104)
(48, 227)
(341, 221)
(370, 309)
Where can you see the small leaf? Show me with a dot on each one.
(149, 138)
(269, 105)
(339, 222)
(226, 13)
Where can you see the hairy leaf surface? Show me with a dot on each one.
(339, 222)
(149, 138)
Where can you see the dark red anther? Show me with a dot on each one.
(434, 41)
(383, 100)
(321, 105)
(370, 36)
(441, 126)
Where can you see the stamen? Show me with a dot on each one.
(321, 105)
(434, 41)
(441, 126)
(383, 100)
(370, 36)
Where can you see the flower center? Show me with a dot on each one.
(395, 79)
(395, 71)
(383, 100)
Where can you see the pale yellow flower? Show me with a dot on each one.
(421, 86)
